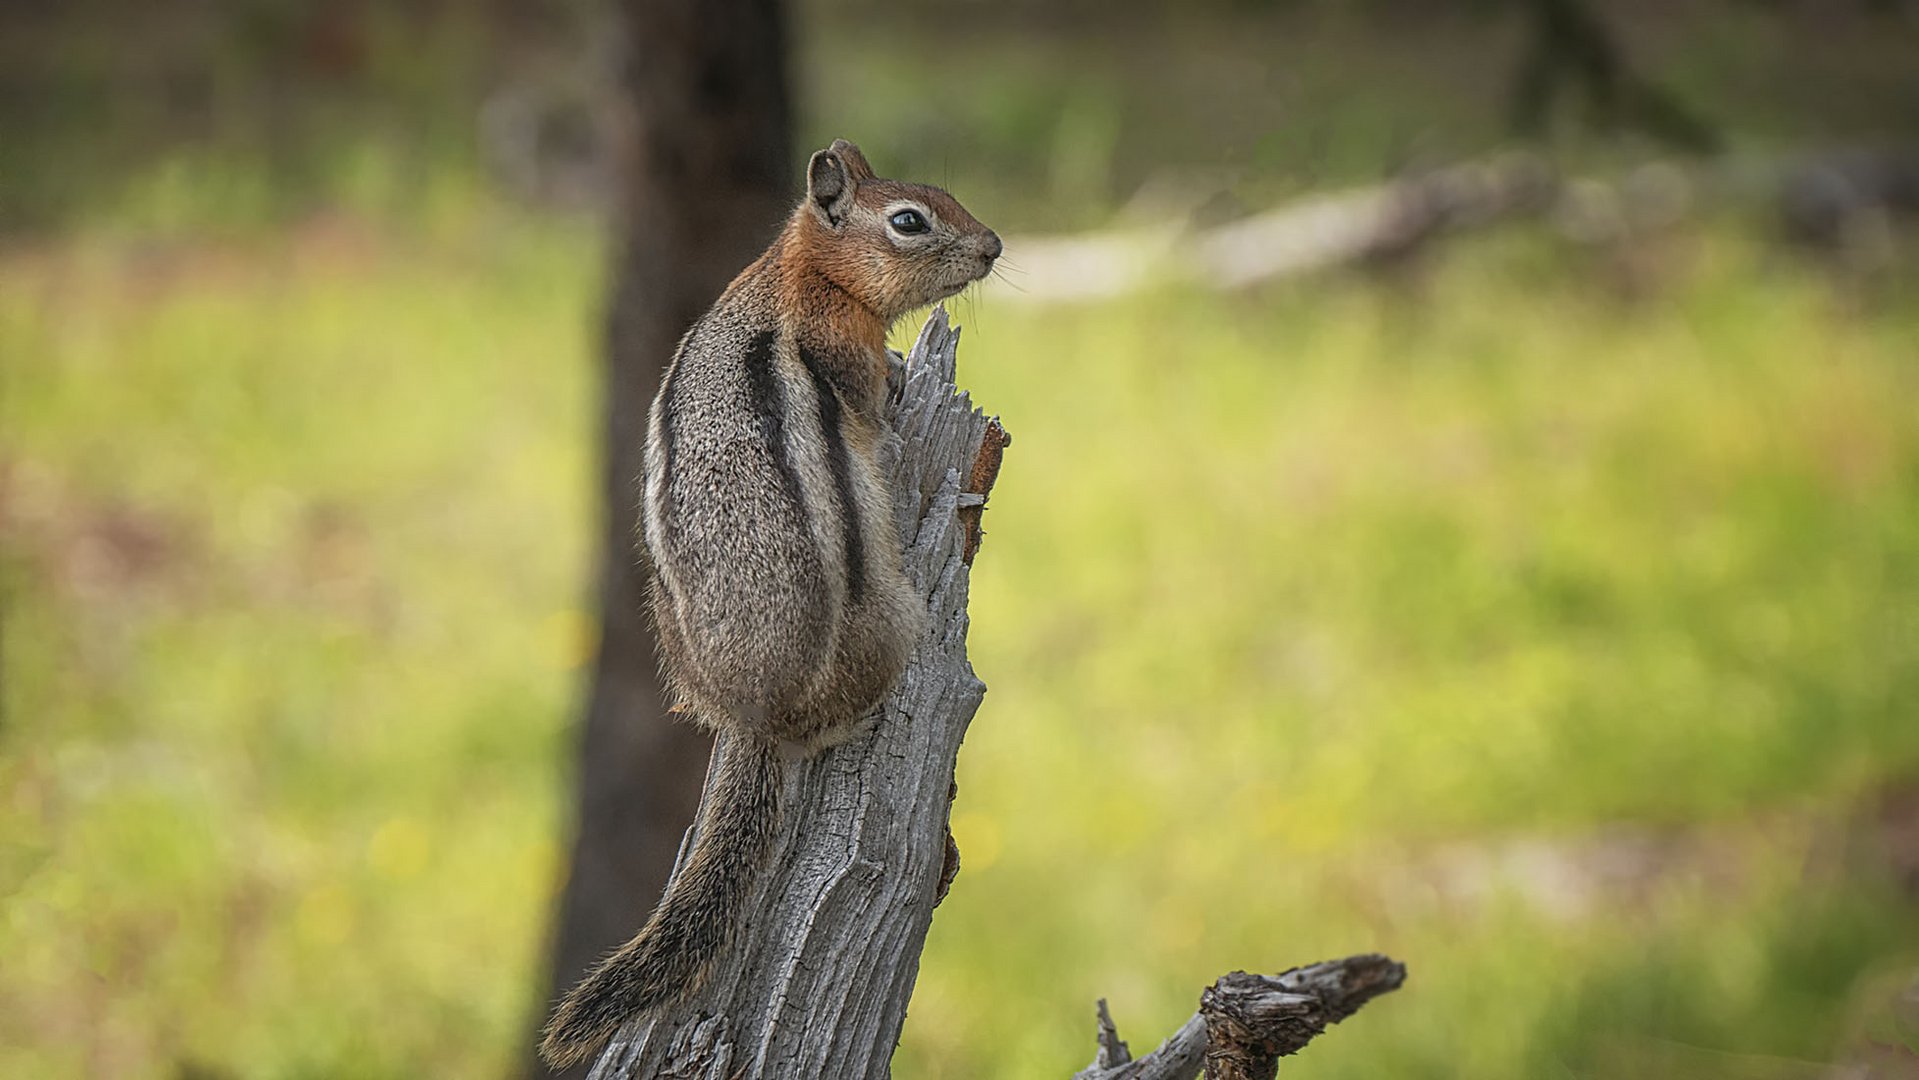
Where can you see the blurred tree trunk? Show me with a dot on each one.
(705, 150)
(1572, 49)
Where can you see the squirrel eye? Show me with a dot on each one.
(908, 221)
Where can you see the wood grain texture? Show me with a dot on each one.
(818, 983)
(1246, 1023)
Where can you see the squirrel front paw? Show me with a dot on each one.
(895, 373)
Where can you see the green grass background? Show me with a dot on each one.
(1559, 640)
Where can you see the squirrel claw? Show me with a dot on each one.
(895, 373)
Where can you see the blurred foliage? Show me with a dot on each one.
(295, 531)
(1287, 596)
(238, 113)
(1547, 619)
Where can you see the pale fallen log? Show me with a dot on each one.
(1315, 233)
(1842, 202)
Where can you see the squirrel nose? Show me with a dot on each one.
(990, 247)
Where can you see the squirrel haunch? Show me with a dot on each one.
(783, 613)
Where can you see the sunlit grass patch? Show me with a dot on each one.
(287, 532)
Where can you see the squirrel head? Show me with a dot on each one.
(893, 245)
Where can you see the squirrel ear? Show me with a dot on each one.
(831, 177)
(856, 165)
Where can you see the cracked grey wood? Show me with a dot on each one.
(818, 983)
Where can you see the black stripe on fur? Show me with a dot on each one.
(842, 465)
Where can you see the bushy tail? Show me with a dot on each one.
(673, 953)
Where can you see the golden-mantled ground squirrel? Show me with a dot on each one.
(783, 613)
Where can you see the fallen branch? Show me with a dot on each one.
(1246, 1023)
